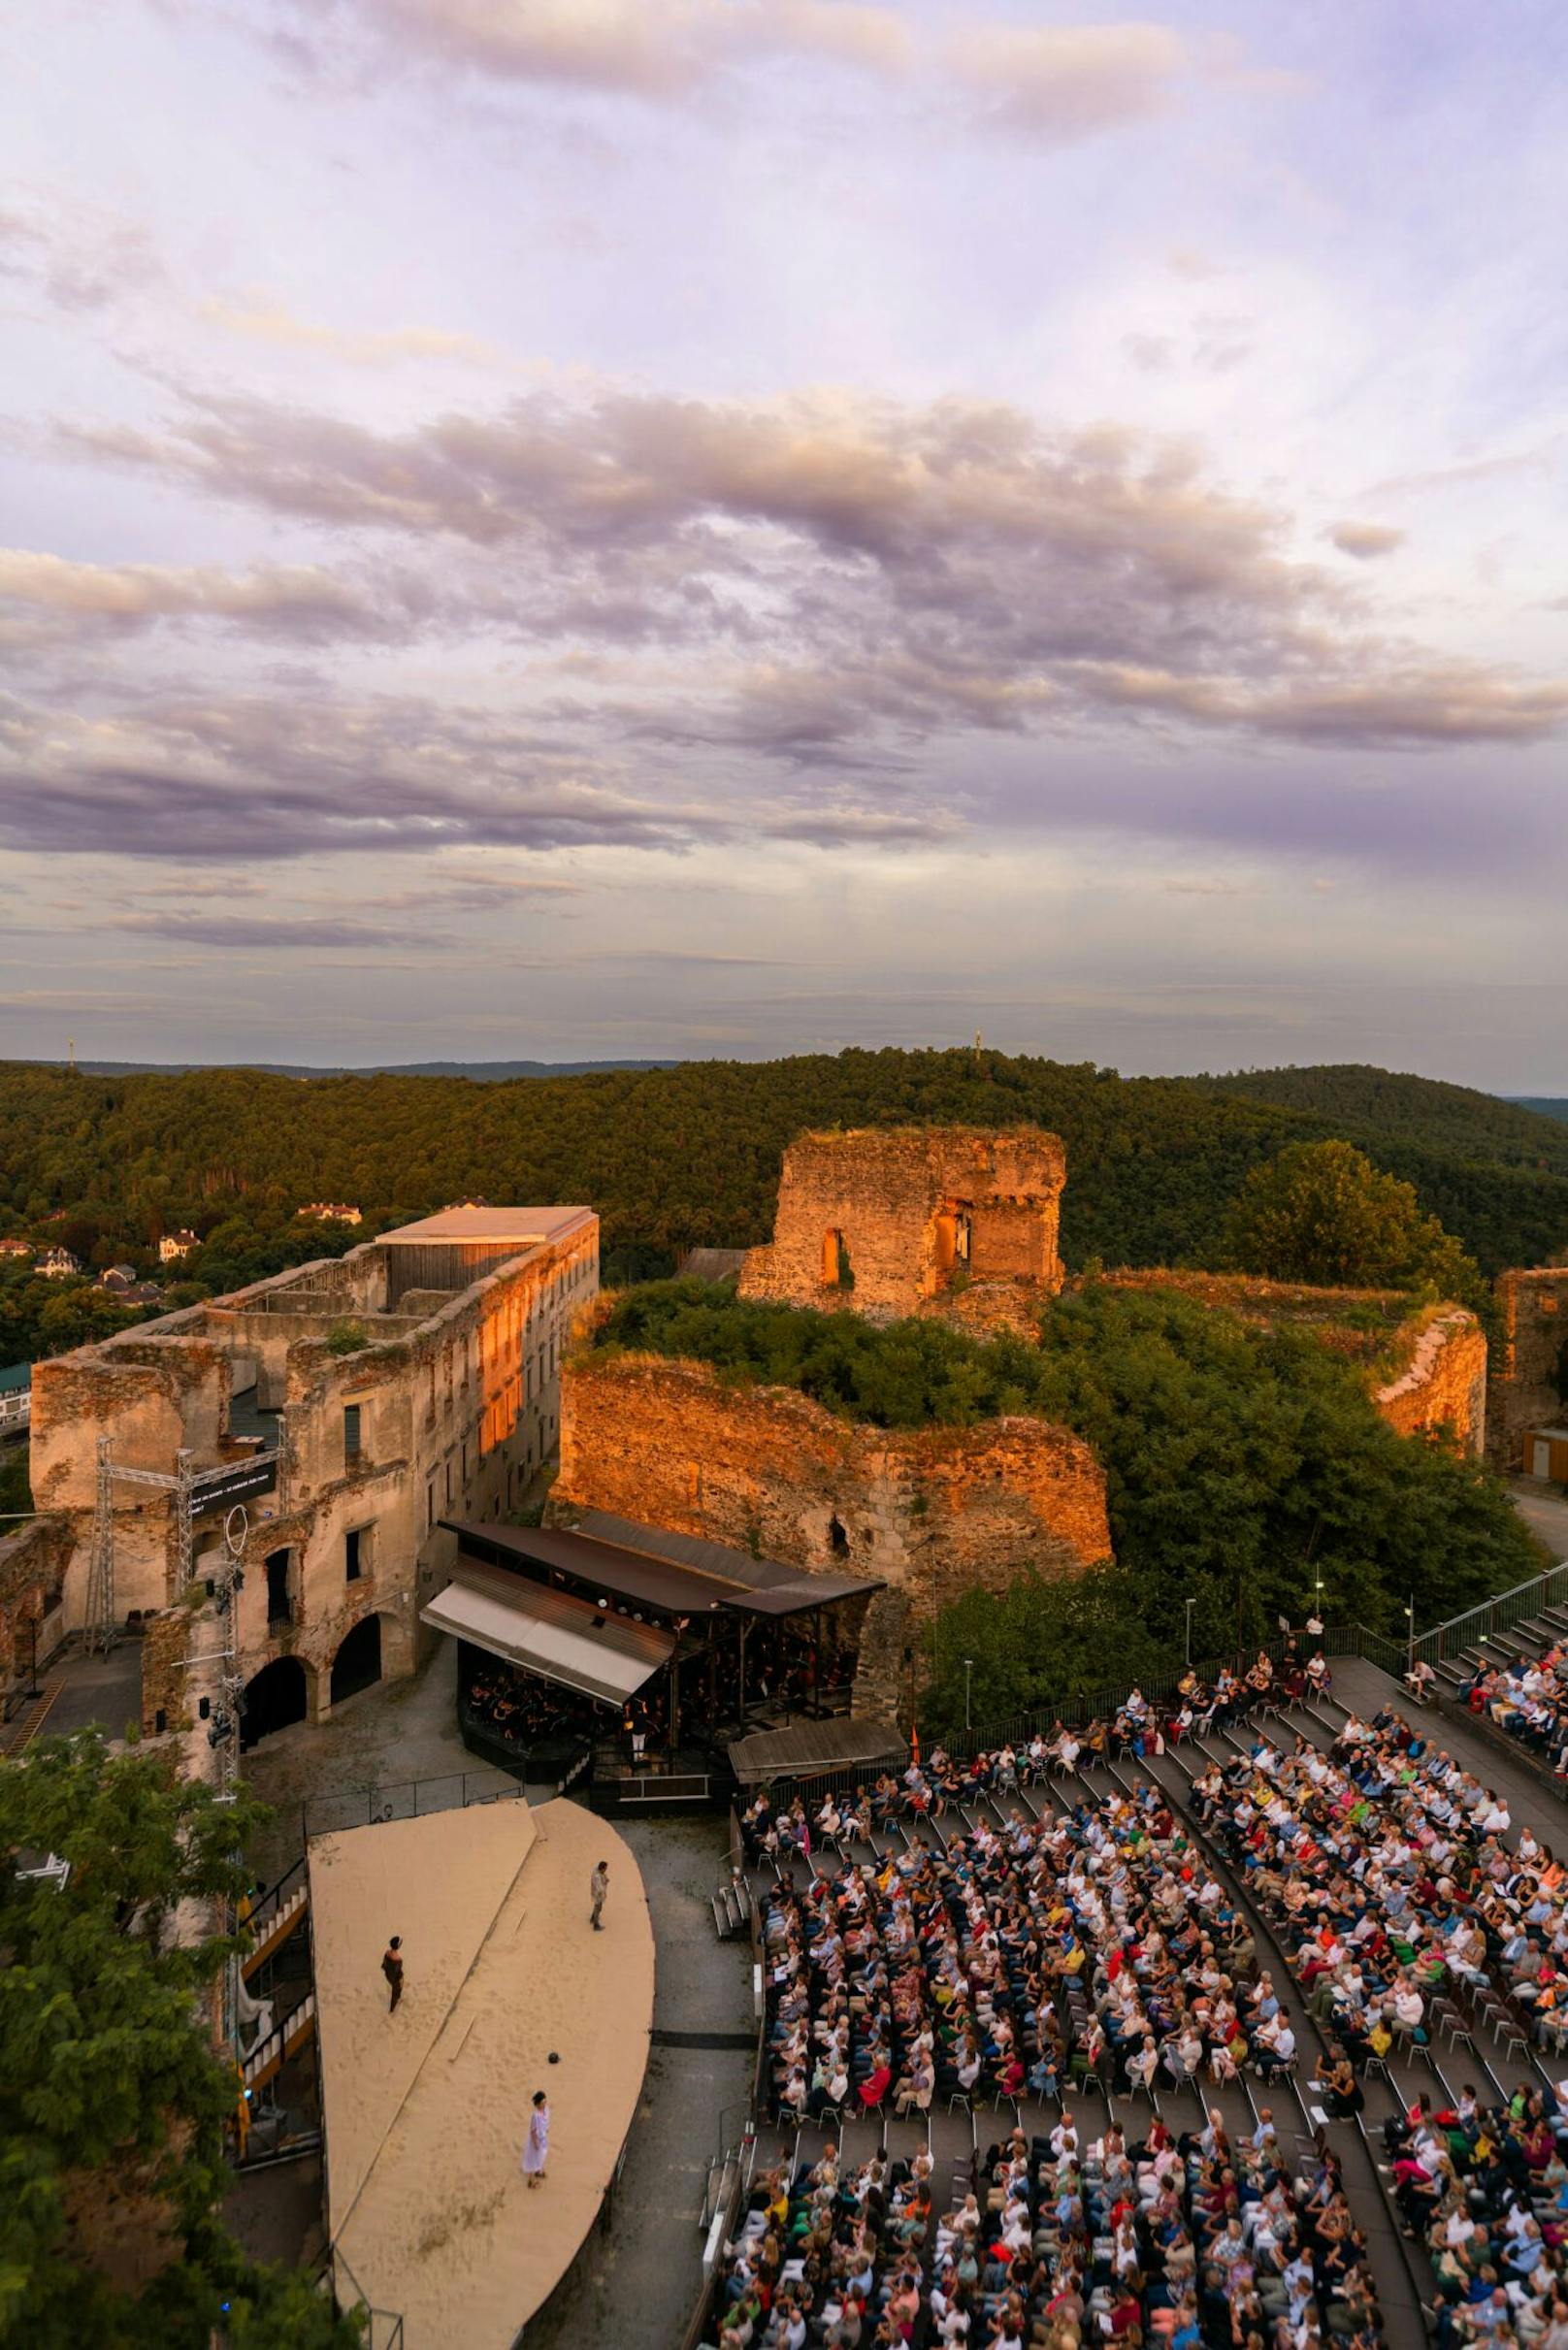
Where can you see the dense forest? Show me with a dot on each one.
(1245, 1468)
(687, 1156)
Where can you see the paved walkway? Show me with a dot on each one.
(1544, 1510)
(78, 1691)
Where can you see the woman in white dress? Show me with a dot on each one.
(536, 2148)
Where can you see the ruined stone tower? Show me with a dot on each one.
(887, 1220)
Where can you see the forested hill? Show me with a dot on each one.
(1449, 1118)
(689, 1154)
(1545, 1106)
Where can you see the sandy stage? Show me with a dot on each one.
(427, 2110)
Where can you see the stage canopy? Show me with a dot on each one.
(549, 1632)
(676, 1575)
(811, 1750)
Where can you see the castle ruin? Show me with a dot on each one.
(890, 1220)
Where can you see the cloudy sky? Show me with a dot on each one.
(578, 528)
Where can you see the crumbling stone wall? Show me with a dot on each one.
(1529, 1360)
(453, 1411)
(931, 1512)
(32, 1572)
(166, 1643)
(886, 1218)
(1441, 1391)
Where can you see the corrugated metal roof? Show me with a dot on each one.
(670, 1578)
(808, 1748)
(527, 1227)
(757, 1575)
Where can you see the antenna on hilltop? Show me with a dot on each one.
(70, 1054)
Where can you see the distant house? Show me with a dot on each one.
(56, 1264)
(330, 1211)
(118, 1278)
(468, 1200)
(174, 1245)
(15, 1248)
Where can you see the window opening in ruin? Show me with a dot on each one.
(279, 1605)
(350, 1435)
(838, 1539)
(356, 1544)
(837, 1273)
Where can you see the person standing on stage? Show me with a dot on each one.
(536, 2146)
(598, 1888)
(392, 1969)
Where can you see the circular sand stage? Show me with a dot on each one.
(426, 2109)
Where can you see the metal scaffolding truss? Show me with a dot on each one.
(187, 1485)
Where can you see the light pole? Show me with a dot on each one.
(1190, 1605)
(1409, 1621)
(968, 1668)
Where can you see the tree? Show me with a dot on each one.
(1033, 1645)
(112, 2102)
(1320, 1212)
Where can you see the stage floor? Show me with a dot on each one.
(426, 2110)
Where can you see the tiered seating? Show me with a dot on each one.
(1418, 1922)
(1023, 1950)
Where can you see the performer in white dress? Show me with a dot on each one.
(537, 2147)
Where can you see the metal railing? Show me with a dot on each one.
(384, 2328)
(407, 1799)
(663, 1787)
(1495, 1615)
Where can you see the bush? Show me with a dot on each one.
(347, 1338)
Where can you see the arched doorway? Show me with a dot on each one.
(273, 1697)
(357, 1664)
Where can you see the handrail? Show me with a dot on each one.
(1499, 1613)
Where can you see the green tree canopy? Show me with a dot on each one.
(112, 2102)
(1320, 1212)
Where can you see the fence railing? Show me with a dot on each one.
(407, 1799)
(1494, 1616)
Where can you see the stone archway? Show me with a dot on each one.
(357, 1664)
(273, 1698)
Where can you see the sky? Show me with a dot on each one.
(623, 528)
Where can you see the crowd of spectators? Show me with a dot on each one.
(1527, 1698)
(1412, 1910)
(1205, 2242)
(1021, 1961)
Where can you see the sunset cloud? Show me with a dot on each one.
(1055, 84)
(1027, 518)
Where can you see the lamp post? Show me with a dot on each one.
(968, 1668)
(1410, 1643)
(1190, 1605)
